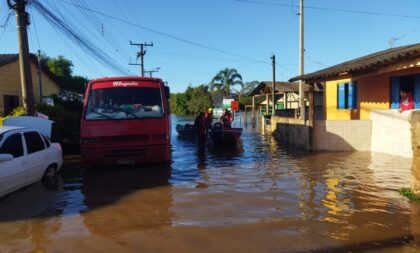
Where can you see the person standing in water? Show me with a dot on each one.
(200, 127)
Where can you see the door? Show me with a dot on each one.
(10, 103)
(13, 172)
(37, 156)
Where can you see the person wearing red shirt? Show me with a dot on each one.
(227, 118)
(407, 101)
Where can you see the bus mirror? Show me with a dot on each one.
(167, 92)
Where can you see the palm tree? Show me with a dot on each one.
(224, 80)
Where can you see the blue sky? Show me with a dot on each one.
(251, 31)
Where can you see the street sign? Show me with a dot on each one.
(234, 105)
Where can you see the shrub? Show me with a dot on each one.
(19, 111)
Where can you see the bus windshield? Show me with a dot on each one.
(124, 103)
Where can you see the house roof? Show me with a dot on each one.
(281, 87)
(9, 58)
(366, 63)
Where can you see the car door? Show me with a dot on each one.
(13, 172)
(37, 156)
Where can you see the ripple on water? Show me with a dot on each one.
(261, 191)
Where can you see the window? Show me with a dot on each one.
(347, 95)
(47, 141)
(10, 103)
(34, 143)
(13, 145)
(124, 103)
(410, 83)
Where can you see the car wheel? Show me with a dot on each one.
(50, 177)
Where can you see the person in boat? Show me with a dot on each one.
(407, 100)
(209, 119)
(200, 127)
(227, 118)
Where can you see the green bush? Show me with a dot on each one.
(66, 114)
(408, 193)
(19, 111)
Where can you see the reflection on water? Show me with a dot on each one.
(260, 197)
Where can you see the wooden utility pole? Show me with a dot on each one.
(273, 92)
(152, 71)
(301, 63)
(141, 54)
(22, 21)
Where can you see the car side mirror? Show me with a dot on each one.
(5, 157)
(167, 92)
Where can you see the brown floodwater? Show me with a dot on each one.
(261, 196)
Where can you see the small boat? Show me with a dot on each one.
(221, 135)
(185, 131)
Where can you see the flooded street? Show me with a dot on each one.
(260, 197)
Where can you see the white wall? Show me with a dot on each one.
(342, 135)
(391, 132)
(388, 131)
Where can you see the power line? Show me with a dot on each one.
(36, 31)
(108, 45)
(329, 9)
(78, 38)
(168, 35)
(5, 24)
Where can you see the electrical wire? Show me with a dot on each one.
(77, 38)
(36, 31)
(108, 45)
(5, 24)
(169, 35)
(94, 20)
(329, 9)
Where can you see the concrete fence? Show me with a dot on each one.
(388, 131)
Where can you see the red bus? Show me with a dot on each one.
(125, 120)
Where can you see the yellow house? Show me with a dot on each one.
(10, 85)
(361, 101)
(355, 88)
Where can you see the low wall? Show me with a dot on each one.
(415, 138)
(388, 132)
(291, 130)
(391, 132)
(342, 135)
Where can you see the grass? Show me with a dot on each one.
(408, 193)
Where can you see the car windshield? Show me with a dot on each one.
(124, 103)
(1, 137)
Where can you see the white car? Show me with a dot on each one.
(26, 157)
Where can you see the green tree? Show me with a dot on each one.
(249, 86)
(225, 80)
(179, 101)
(60, 67)
(200, 100)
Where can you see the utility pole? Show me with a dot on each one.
(141, 54)
(22, 21)
(301, 63)
(39, 77)
(273, 58)
(152, 71)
